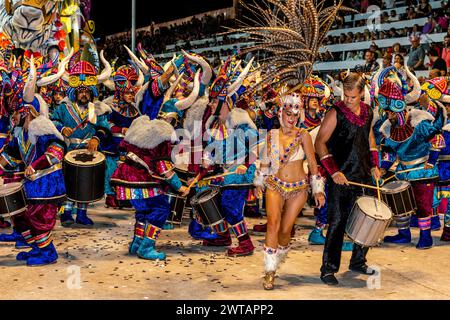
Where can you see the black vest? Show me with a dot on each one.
(349, 145)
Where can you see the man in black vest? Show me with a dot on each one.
(347, 150)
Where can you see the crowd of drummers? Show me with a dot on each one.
(183, 138)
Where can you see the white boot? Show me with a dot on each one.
(270, 267)
(282, 254)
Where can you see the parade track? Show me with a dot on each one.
(99, 255)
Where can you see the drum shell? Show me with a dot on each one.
(401, 202)
(84, 184)
(364, 229)
(177, 204)
(209, 211)
(13, 203)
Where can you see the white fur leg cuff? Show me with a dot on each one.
(270, 259)
(317, 184)
(259, 179)
(282, 254)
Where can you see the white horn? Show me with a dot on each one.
(109, 84)
(234, 87)
(141, 79)
(327, 91)
(55, 77)
(138, 62)
(106, 72)
(30, 87)
(414, 95)
(375, 81)
(206, 68)
(189, 101)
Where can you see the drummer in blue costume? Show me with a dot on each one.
(232, 137)
(410, 136)
(40, 146)
(127, 82)
(83, 123)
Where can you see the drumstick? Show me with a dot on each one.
(194, 181)
(364, 185)
(378, 190)
(385, 180)
(219, 175)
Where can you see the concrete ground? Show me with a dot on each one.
(94, 264)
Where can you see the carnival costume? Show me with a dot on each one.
(410, 140)
(126, 80)
(142, 179)
(42, 148)
(266, 176)
(87, 122)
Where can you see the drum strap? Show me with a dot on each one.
(415, 161)
(40, 173)
(77, 141)
(133, 157)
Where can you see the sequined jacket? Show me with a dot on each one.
(42, 148)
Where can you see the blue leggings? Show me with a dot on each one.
(233, 201)
(153, 210)
(111, 166)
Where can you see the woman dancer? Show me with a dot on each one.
(281, 171)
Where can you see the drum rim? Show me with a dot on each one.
(211, 190)
(170, 194)
(84, 165)
(10, 214)
(20, 184)
(391, 191)
(381, 202)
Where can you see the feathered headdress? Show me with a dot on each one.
(291, 31)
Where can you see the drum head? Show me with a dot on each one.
(9, 188)
(374, 208)
(205, 195)
(82, 157)
(396, 186)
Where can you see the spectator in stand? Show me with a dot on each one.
(423, 9)
(399, 61)
(393, 33)
(429, 25)
(371, 65)
(394, 16)
(396, 49)
(436, 62)
(410, 13)
(416, 55)
(374, 48)
(387, 59)
(441, 22)
(415, 32)
(446, 51)
(384, 17)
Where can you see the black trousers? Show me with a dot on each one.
(341, 199)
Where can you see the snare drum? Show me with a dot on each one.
(12, 199)
(207, 205)
(368, 221)
(177, 204)
(84, 175)
(398, 195)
